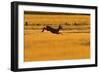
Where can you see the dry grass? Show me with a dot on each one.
(44, 46)
(40, 46)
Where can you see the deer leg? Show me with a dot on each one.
(43, 29)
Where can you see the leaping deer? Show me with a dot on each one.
(52, 30)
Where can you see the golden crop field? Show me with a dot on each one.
(44, 46)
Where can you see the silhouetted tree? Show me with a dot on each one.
(26, 23)
(67, 24)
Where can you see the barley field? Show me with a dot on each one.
(72, 43)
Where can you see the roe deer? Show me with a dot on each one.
(52, 30)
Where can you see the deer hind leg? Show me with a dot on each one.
(43, 29)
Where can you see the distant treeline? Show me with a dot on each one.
(85, 28)
(67, 24)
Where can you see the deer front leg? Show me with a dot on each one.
(43, 29)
